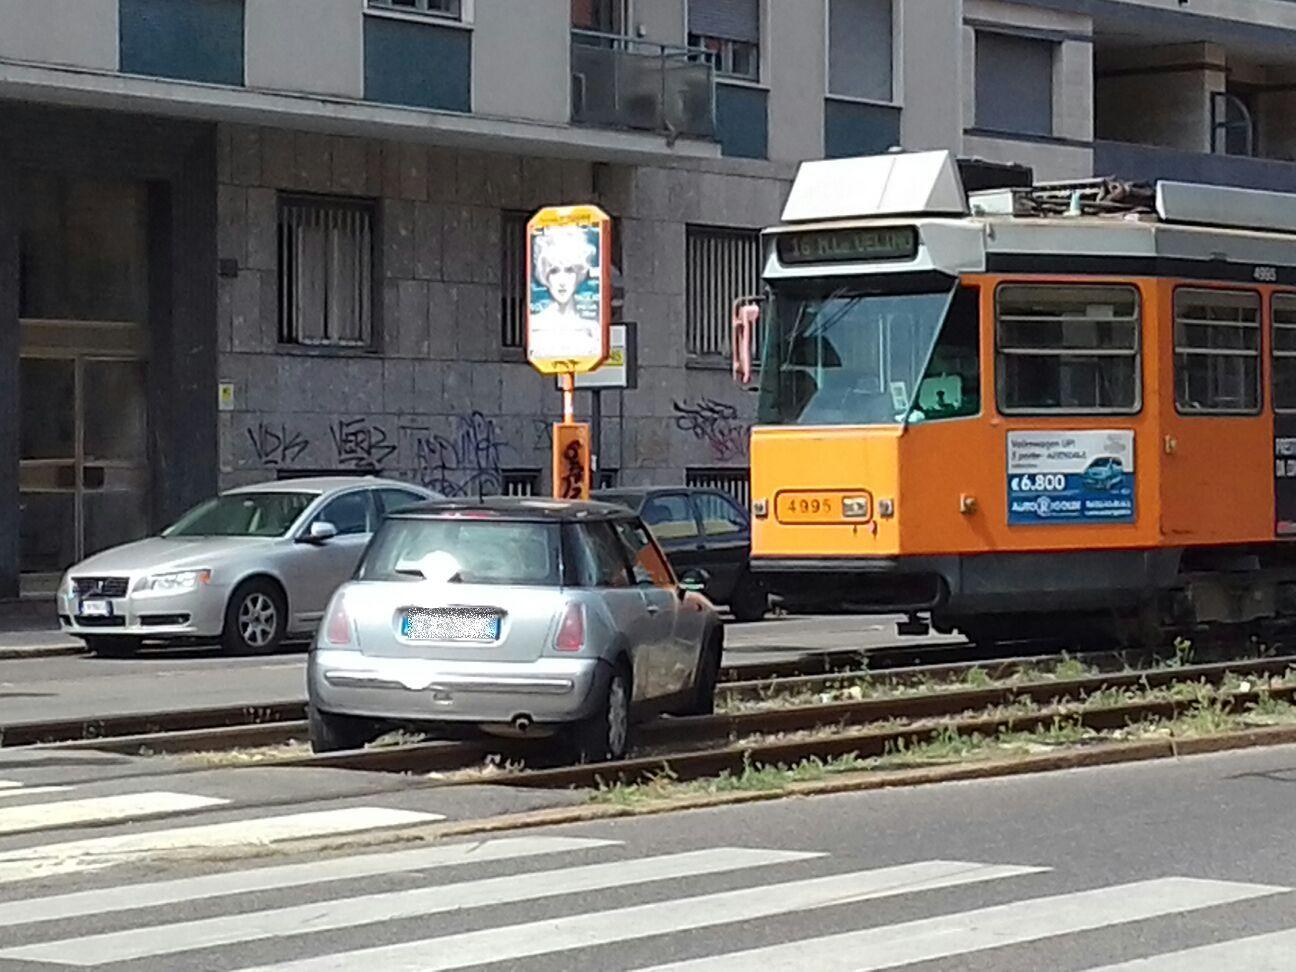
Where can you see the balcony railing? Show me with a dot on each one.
(621, 82)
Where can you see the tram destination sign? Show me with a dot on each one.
(855, 245)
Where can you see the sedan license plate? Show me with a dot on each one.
(95, 609)
(450, 624)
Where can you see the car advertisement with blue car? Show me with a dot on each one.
(1070, 477)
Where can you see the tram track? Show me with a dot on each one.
(698, 747)
(272, 723)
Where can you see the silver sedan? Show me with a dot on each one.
(246, 568)
(516, 617)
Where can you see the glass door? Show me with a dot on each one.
(83, 472)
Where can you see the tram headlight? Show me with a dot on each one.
(856, 507)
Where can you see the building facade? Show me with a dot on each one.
(243, 239)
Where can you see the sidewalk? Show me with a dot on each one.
(27, 636)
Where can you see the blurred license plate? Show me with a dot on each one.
(450, 624)
(95, 609)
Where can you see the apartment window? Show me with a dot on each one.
(860, 49)
(729, 31)
(1014, 83)
(520, 482)
(601, 16)
(1217, 351)
(1232, 123)
(435, 8)
(326, 254)
(720, 265)
(1284, 352)
(734, 482)
(1069, 349)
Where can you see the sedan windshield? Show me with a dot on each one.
(843, 358)
(476, 552)
(243, 515)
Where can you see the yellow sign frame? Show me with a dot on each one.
(584, 217)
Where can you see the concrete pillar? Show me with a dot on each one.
(1159, 95)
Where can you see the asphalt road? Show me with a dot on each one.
(1083, 870)
(75, 687)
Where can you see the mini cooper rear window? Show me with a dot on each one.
(468, 551)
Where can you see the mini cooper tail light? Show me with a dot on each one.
(339, 631)
(571, 633)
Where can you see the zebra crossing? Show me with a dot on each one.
(475, 903)
(154, 826)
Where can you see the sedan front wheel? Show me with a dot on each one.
(255, 619)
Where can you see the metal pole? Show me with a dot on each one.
(569, 398)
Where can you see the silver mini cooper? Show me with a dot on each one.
(512, 616)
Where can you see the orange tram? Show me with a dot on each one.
(1014, 409)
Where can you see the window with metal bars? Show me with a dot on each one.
(1284, 352)
(326, 256)
(720, 265)
(520, 482)
(734, 482)
(1217, 351)
(435, 8)
(1067, 349)
(513, 292)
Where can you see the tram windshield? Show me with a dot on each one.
(842, 357)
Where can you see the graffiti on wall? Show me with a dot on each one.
(717, 424)
(361, 444)
(276, 445)
(467, 462)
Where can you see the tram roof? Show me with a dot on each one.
(1106, 222)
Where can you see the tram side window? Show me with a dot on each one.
(1284, 352)
(951, 385)
(1217, 351)
(1067, 348)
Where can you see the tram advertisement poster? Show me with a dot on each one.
(1070, 477)
(1285, 474)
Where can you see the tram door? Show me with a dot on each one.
(1284, 406)
(83, 390)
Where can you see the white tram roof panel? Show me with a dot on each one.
(1176, 219)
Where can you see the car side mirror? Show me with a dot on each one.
(693, 581)
(320, 532)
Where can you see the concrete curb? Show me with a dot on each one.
(1108, 754)
(12, 652)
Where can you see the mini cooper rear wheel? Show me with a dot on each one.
(605, 735)
(331, 733)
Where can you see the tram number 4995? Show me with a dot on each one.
(1038, 483)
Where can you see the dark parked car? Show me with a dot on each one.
(701, 528)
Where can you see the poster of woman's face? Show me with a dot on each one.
(566, 298)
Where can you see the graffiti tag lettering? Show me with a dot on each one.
(360, 444)
(715, 423)
(276, 445)
(465, 463)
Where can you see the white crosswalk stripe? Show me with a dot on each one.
(107, 809)
(510, 943)
(95, 853)
(349, 912)
(15, 792)
(567, 875)
(1260, 953)
(946, 936)
(174, 892)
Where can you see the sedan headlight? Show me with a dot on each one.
(179, 582)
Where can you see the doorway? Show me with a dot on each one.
(83, 372)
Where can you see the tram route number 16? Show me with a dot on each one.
(1039, 483)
